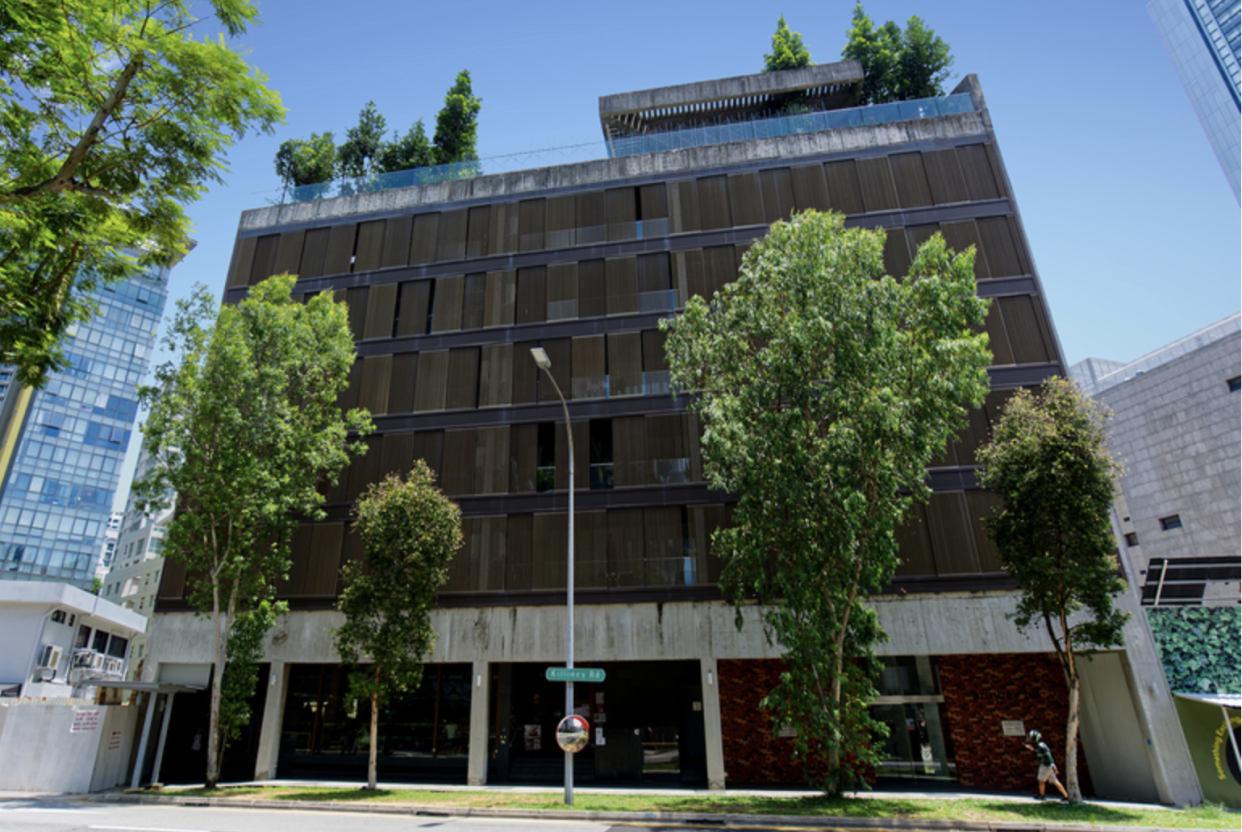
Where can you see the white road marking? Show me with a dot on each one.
(147, 829)
(17, 807)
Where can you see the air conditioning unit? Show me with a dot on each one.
(49, 657)
(97, 661)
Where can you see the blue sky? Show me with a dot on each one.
(1084, 101)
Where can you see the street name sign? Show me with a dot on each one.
(574, 674)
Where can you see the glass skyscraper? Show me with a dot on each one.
(56, 502)
(1202, 37)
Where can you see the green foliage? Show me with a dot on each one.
(897, 65)
(241, 671)
(96, 585)
(825, 389)
(363, 143)
(410, 531)
(788, 51)
(308, 162)
(457, 123)
(114, 116)
(242, 428)
(1199, 647)
(413, 150)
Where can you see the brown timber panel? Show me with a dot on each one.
(562, 291)
(592, 292)
(778, 194)
(402, 382)
(525, 388)
(844, 190)
(896, 252)
(653, 206)
(519, 551)
(664, 549)
(876, 181)
(714, 202)
(719, 267)
(654, 359)
(376, 373)
(347, 398)
(622, 213)
(264, 258)
(491, 472)
(625, 369)
(981, 505)
(397, 242)
(621, 285)
(532, 295)
(531, 216)
(685, 206)
(582, 448)
(560, 221)
(496, 375)
(919, 234)
(953, 545)
(910, 178)
(381, 311)
(429, 447)
(451, 240)
(944, 175)
(625, 547)
(446, 316)
(961, 236)
(653, 274)
(487, 566)
(746, 199)
(977, 172)
(914, 545)
(357, 299)
(366, 468)
(590, 550)
(500, 298)
(340, 255)
(432, 380)
(592, 213)
(558, 351)
(478, 230)
(314, 252)
(397, 454)
(589, 368)
(459, 461)
(998, 339)
(463, 379)
(474, 299)
(413, 300)
(289, 253)
(504, 235)
(243, 259)
(551, 539)
(997, 237)
(810, 189)
(1025, 335)
(325, 560)
(368, 255)
(629, 452)
(523, 448)
(423, 239)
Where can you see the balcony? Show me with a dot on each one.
(92, 666)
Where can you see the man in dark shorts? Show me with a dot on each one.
(1047, 767)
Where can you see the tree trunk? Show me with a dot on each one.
(372, 766)
(1071, 739)
(213, 732)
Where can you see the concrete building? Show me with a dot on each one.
(1177, 413)
(57, 496)
(135, 577)
(451, 283)
(108, 548)
(60, 641)
(1203, 39)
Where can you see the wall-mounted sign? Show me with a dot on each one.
(1012, 728)
(574, 674)
(87, 719)
(114, 741)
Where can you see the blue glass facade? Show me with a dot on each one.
(1203, 38)
(58, 498)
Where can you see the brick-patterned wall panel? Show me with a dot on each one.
(979, 692)
(751, 754)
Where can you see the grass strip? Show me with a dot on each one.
(1208, 816)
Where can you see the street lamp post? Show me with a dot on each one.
(544, 363)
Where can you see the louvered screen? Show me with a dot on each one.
(478, 230)
(953, 545)
(243, 260)
(981, 505)
(997, 236)
(592, 294)
(876, 182)
(653, 282)
(704, 520)
(589, 373)
(397, 453)
(429, 447)
(347, 398)
(381, 311)
(625, 547)
(314, 252)
(971, 437)
(592, 218)
(325, 561)
(746, 199)
(910, 177)
(621, 285)
(622, 213)
(504, 235)
(558, 352)
(413, 299)
(714, 202)
(590, 550)
(625, 368)
(289, 253)
(844, 191)
(356, 299)
(896, 252)
(696, 277)
(519, 551)
(962, 235)
(778, 195)
(264, 258)
(172, 582)
(629, 451)
(458, 579)
(463, 378)
(532, 295)
(496, 375)
(551, 551)
(499, 298)
(340, 256)
(351, 552)
(582, 457)
(459, 461)
(653, 209)
(432, 389)
(919, 234)
(978, 173)
(451, 239)
(525, 374)
(487, 565)
(1023, 329)
(998, 339)
(914, 545)
(664, 553)
(376, 370)
(370, 248)
(491, 471)
(944, 176)
(668, 462)
(365, 469)
(684, 198)
(423, 239)
(474, 295)
(654, 360)
(562, 291)
(560, 221)
(523, 451)
(531, 216)
(810, 190)
(720, 268)
(397, 241)
(300, 552)
(446, 315)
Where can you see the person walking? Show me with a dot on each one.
(1047, 766)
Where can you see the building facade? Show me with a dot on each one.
(56, 500)
(1203, 39)
(450, 285)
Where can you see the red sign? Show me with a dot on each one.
(114, 741)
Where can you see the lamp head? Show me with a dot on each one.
(541, 359)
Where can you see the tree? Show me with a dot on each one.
(1049, 461)
(241, 670)
(410, 532)
(457, 123)
(242, 428)
(308, 162)
(114, 117)
(897, 65)
(787, 50)
(413, 150)
(96, 585)
(363, 143)
(825, 388)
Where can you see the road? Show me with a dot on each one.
(33, 815)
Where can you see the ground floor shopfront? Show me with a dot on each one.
(680, 701)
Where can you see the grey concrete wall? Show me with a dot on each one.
(1112, 736)
(41, 754)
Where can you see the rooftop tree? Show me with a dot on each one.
(787, 50)
(115, 115)
(457, 123)
(1048, 459)
(897, 65)
(243, 427)
(825, 388)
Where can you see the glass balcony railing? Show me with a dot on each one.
(652, 143)
(606, 387)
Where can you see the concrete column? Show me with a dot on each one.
(476, 769)
(713, 736)
(273, 716)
